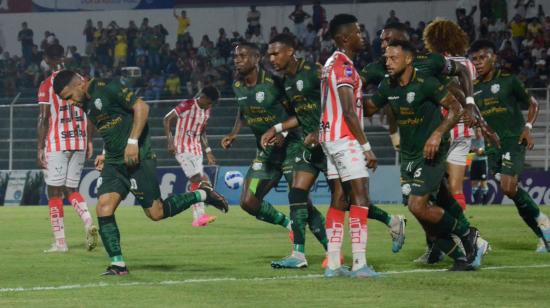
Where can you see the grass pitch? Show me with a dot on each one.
(227, 264)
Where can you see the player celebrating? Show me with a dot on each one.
(415, 99)
(129, 163)
(192, 117)
(479, 169)
(500, 98)
(348, 152)
(64, 142)
(259, 100)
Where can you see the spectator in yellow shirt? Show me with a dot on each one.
(121, 51)
(183, 23)
(518, 27)
(173, 85)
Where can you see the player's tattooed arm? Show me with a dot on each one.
(167, 122)
(532, 113)
(269, 137)
(450, 103)
(141, 112)
(42, 129)
(348, 105)
(229, 138)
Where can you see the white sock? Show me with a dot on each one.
(198, 210)
(81, 208)
(358, 233)
(335, 236)
(58, 228)
(543, 221)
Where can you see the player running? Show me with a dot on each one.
(191, 117)
(415, 100)
(259, 100)
(501, 97)
(64, 142)
(347, 149)
(129, 164)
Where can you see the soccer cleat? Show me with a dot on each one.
(55, 248)
(541, 246)
(545, 236)
(115, 270)
(324, 264)
(290, 262)
(92, 237)
(482, 249)
(342, 271)
(213, 197)
(364, 272)
(397, 233)
(461, 266)
(431, 256)
(203, 221)
(470, 244)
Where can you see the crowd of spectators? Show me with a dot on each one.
(174, 71)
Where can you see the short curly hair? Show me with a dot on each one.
(444, 36)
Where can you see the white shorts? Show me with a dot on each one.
(345, 160)
(191, 164)
(64, 168)
(459, 150)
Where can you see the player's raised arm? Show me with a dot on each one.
(167, 122)
(141, 112)
(229, 138)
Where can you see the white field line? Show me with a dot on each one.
(230, 279)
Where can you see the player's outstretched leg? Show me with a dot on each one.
(252, 202)
(395, 223)
(176, 204)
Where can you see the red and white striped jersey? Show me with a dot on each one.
(192, 121)
(461, 129)
(67, 124)
(338, 71)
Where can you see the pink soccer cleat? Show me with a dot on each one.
(203, 221)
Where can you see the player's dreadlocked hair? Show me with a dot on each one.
(444, 36)
(61, 80)
(338, 22)
(285, 39)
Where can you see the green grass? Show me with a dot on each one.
(239, 249)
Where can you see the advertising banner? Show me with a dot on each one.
(15, 6)
(98, 5)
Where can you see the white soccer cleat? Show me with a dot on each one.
(55, 248)
(92, 237)
(541, 246)
(397, 232)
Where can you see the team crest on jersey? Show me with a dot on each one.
(348, 71)
(260, 96)
(410, 97)
(495, 88)
(98, 104)
(300, 85)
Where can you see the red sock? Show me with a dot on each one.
(56, 219)
(461, 200)
(358, 231)
(195, 186)
(335, 235)
(81, 208)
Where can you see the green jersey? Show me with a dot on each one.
(430, 64)
(303, 92)
(261, 105)
(500, 101)
(417, 111)
(110, 110)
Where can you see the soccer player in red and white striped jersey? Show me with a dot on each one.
(63, 144)
(187, 144)
(346, 147)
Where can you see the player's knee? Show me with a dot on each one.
(104, 209)
(249, 204)
(297, 195)
(416, 208)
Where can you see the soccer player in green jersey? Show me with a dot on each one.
(129, 164)
(501, 97)
(302, 88)
(415, 99)
(259, 99)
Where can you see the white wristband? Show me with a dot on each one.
(529, 125)
(366, 147)
(470, 100)
(103, 152)
(132, 141)
(278, 127)
(208, 150)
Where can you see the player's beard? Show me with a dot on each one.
(394, 79)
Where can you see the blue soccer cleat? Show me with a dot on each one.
(342, 271)
(364, 272)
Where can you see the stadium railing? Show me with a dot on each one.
(18, 131)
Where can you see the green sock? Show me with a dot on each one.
(176, 204)
(379, 214)
(110, 236)
(448, 224)
(269, 214)
(528, 210)
(451, 248)
(316, 223)
(298, 216)
(446, 201)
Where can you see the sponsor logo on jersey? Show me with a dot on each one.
(478, 92)
(98, 104)
(495, 88)
(410, 97)
(260, 96)
(393, 97)
(300, 85)
(241, 98)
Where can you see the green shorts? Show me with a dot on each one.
(272, 163)
(509, 159)
(140, 181)
(311, 160)
(420, 177)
